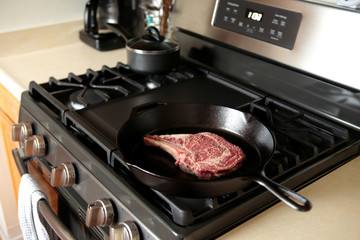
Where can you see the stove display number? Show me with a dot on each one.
(254, 15)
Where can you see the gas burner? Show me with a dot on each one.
(154, 81)
(85, 97)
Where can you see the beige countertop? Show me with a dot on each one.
(37, 54)
(54, 51)
(335, 214)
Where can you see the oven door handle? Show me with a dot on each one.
(18, 155)
(51, 218)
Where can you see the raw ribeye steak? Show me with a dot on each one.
(204, 154)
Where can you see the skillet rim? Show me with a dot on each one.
(234, 175)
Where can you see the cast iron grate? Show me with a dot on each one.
(97, 87)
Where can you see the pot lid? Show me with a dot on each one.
(152, 41)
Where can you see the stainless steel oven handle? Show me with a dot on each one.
(18, 155)
(52, 219)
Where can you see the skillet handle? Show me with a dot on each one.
(144, 107)
(286, 195)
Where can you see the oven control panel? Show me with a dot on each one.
(266, 23)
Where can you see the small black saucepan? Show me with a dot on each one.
(150, 53)
(156, 168)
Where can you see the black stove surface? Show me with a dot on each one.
(307, 146)
(109, 117)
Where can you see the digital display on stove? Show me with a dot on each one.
(254, 15)
(263, 22)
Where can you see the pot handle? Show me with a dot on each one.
(145, 107)
(153, 33)
(286, 195)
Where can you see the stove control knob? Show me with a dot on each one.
(21, 131)
(100, 213)
(124, 230)
(34, 146)
(62, 175)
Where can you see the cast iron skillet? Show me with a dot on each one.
(156, 168)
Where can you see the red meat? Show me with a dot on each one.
(205, 154)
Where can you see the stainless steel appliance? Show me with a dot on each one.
(262, 57)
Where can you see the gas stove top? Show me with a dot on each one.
(91, 108)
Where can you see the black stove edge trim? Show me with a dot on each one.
(73, 120)
(37, 91)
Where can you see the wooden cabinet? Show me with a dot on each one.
(9, 114)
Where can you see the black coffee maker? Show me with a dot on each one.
(103, 16)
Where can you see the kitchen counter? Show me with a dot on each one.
(335, 214)
(54, 51)
(37, 54)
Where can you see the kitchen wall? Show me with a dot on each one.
(20, 14)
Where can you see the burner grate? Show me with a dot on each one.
(300, 137)
(95, 87)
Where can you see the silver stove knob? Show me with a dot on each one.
(62, 175)
(100, 213)
(124, 231)
(21, 131)
(34, 146)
